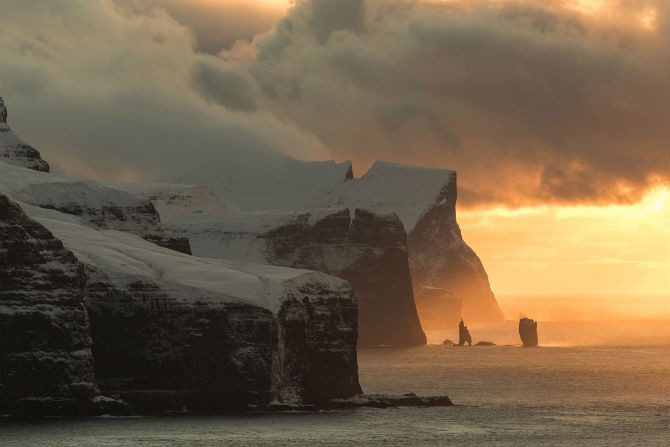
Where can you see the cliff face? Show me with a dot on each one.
(369, 251)
(315, 360)
(194, 334)
(15, 151)
(46, 365)
(441, 260)
(165, 347)
(167, 330)
(162, 353)
(448, 281)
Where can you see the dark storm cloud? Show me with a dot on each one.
(530, 100)
(113, 93)
(224, 85)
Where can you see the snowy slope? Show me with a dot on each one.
(407, 191)
(130, 256)
(386, 188)
(424, 199)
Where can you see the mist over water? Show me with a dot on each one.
(619, 320)
(569, 333)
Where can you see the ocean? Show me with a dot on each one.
(504, 395)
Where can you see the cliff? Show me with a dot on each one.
(447, 280)
(369, 251)
(46, 365)
(169, 331)
(440, 259)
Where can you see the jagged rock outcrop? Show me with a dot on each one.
(369, 251)
(464, 335)
(528, 332)
(15, 151)
(46, 365)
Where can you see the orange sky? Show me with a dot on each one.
(575, 250)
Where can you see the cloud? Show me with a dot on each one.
(216, 24)
(530, 100)
(109, 92)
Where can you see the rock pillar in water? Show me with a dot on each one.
(463, 335)
(528, 332)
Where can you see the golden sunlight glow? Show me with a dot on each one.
(647, 18)
(275, 4)
(587, 6)
(659, 199)
(576, 250)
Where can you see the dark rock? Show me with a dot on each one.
(162, 353)
(316, 358)
(46, 366)
(463, 335)
(528, 332)
(485, 343)
(3, 111)
(390, 401)
(448, 342)
(369, 251)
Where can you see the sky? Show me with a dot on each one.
(553, 113)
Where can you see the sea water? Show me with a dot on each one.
(504, 396)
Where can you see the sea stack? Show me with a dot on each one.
(528, 332)
(463, 335)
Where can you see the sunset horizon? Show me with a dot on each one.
(334, 223)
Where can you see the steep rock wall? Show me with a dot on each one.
(369, 251)
(46, 365)
(440, 259)
(167, 348)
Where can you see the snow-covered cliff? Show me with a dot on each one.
(448, 281)
(84, 262)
